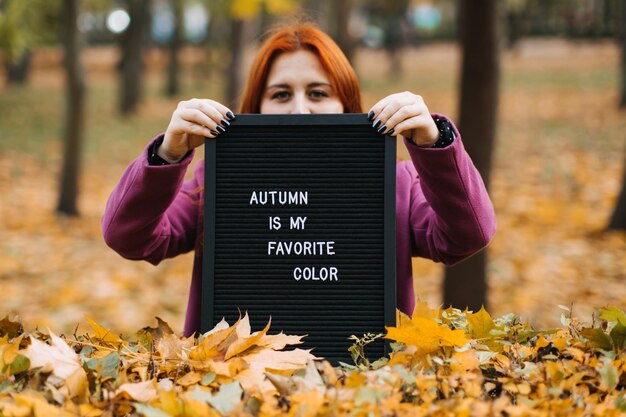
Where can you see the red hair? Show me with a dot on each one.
(294, 38)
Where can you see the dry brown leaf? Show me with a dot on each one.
(244, 342)
(279, 341)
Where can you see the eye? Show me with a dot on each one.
(318, 94)
(280, 95)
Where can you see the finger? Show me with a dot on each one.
(414, 126)
(392, 105)
(225, 111)
(189, 120)
(416, 112)
(394, 112)
(377, 108)
(188, 117)
(215, 110)
(198, 130)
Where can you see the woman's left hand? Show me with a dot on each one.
(405, 114)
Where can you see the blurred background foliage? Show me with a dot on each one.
(72, 121)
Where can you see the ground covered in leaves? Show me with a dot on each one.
(557, 171)
(443, 362)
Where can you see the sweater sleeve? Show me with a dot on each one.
(152, 213)
(450, 214)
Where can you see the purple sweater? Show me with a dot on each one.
(443, 213)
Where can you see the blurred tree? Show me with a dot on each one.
(173, 68)
(390, 15)
(75, 110)
(341, 33)
(515, 10)
(236, 46)
(618, 218)
(133, 42)
(23, 27)
(465, 283)
(622, 42)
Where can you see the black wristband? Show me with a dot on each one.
(153, 157)
(446, 134)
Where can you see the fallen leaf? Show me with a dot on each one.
(11, 327)
(149, 411)
(139, 391)
(480, 323)
(426, 334)
(104, 335)
(279, 341)
(58, 357)
(227, 398)
(244, 342)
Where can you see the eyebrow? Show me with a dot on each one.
(316, 84)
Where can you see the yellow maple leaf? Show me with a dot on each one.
(480, 323)
(426, 334)
(422, 309)
(104, 335)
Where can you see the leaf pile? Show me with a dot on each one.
(443, 362)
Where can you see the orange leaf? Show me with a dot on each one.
(209, 347)
(242, 344)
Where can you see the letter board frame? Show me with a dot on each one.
(347, 171)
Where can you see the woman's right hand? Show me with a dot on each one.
(191, 122)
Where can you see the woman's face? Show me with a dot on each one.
(297, 84)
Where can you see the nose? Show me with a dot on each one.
(300, 105)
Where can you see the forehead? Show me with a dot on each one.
(301, 64)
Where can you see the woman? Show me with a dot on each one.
(443, 211)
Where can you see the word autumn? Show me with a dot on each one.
(279, 197)
(296, 247)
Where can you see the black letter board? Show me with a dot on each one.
(299, 225)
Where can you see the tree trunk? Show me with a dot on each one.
(618, 219)
(17, 72)
(133, 41)
(237, 45)
(173, 68)
(74, 114)
(622, 36)
(341, 12)
(465, 284)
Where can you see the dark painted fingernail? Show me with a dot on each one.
(230, 115)
(370, 116)
(220, 129)
(213, 132)
(225, 122)
(376, 124)
(391, 132)
(382, 129)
